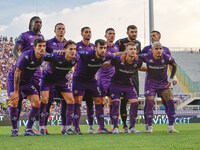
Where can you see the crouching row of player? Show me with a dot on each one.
(20, 82)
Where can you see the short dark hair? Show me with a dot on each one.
(131, 27)
(69, 42)
(130, 43)
(40, 40)
(109, 30)
(59, 24)
(156, 32)
(100, 42)
(31, 21)
(82, 29)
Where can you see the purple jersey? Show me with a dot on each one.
(53, 45)
(28, 64)
(26, 40)
(58, 67)
(82, 47)
(107, 73)
(157, 69)
(124, 71)
(149, 47)
(89, 64)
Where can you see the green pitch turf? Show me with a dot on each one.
(187, 139)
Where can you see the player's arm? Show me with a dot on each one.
(143, 68)
(106, 65)
(15, 95)
(16, 50)
(173, 72)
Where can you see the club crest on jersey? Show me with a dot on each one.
(115, 48)
(162, 61)
(112, 95)
(80, 47)
(54, 43)
(60, 62)
(92, 47)
(122, 63)
(75, 92)
(92, 59)
(30, 36)
(151, 60)
(32, 44)
(73, 62)
(104, 59)
(135, 65)
(32, 62)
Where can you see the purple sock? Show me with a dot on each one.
(115, 113)
(69, 114)
(43, 108)
(145, 111)
(14, 117)
(32, 116)
(100, 115)
(90, 112)
(77, 115)
(149, 112)
(47, 111)
(171, 112)
(63, 112)
(133, 113)
(111, 119)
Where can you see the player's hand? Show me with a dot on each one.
(174, 82)
(168, 84)
(14, 96)
(60, 52)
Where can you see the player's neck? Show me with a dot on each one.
(109, 44)
(86, 42)
(130, 40)
(36, 32)
(59, 38)
(98, 57)
(129, 59)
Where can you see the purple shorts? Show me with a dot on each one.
(128, 92)
(61, 86)
(152, 91)
(28, 89)
(79, 88)
(104, 86)
(10, 86)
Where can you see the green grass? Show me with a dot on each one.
(187, 139)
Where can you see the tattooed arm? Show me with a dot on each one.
(16, 50)
(15, 95)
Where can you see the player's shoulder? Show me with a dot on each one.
(137, 42)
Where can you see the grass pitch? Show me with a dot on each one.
(187, 139)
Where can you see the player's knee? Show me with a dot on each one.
(78, 99)
(36, 104)
(133, 100)
(70, 100)
(14, 103)
(98, 101)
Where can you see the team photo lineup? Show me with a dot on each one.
(83, 71)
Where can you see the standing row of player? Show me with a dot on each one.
(23, 80)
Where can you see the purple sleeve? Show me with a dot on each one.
(20, 40)
(169, 59)
(113, 61)
(21, 62)
(109, 55)
(142, 57)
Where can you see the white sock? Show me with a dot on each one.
(42, 127)
(90, 126)
(112, 126)
(63, 127)
(68, 127)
